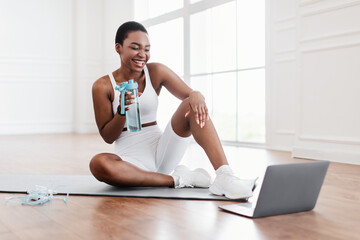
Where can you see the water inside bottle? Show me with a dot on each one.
(133, 118)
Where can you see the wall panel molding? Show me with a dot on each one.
(330, 36)
(329, 47)
(321, 35)
(286, 51)
(285, 132)
(285, 28)
(316, 137)
(304, 3)
(39, 69)
(286, 19)
(285, 59)
(330, 139)
(329, 8)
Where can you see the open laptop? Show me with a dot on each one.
(286, 188)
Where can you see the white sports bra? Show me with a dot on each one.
(148, 101)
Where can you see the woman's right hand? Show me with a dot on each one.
(128, 99)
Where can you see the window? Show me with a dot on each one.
(169, 51)
(217, 47)
(145, 9)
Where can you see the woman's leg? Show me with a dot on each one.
(225, 182)
(206, 137)
(111, 169)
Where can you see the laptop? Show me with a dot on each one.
(286, 188)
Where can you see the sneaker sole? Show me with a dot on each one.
(179, 170)
(216, 191)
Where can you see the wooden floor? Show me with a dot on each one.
(336, 215)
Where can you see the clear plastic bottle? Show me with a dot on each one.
(133, 114)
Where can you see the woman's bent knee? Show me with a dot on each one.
(99, 166)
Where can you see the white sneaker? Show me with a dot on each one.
(232, 187)
(197, 178)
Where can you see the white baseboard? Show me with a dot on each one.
(333, 155)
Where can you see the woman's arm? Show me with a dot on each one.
(110, 126)
(172, 82)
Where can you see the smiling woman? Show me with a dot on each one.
(133, 47)
(145, 158)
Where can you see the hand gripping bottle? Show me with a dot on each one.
(133, 122)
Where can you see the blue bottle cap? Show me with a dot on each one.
(121, 87)
(131, 85)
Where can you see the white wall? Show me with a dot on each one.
(313, 73)
(88, 65)
(51, 52)
(36, 62)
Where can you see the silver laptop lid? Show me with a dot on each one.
(289, 188)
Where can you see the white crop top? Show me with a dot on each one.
(148, 101)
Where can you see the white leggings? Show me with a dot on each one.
(151, 149)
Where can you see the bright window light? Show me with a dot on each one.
(226, 59)
(145, 9)
(167, 49)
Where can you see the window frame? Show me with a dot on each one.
(185, 13)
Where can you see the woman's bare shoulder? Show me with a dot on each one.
(102, 86)
(158, 71)
(157, 67)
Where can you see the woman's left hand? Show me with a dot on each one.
(198, 105)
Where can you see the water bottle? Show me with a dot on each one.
(133, 114)
(133, 122)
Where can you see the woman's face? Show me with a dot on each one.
(135, 51)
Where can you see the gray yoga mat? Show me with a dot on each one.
(88, 185)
